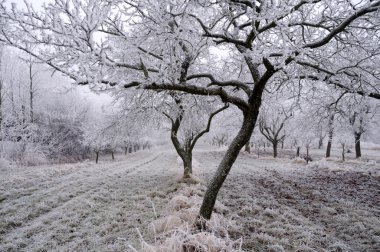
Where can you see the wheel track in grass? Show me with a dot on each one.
(83, 171)
(121, 177)
(30, 202)
(111, 201)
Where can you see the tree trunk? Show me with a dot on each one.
(23, 113)
(125, 150)
(298, 151)
(331, 131)
(97, 156)
(274, 149)
(307, 154)
(225, 166)
(328, 149)
(31, 92)
(343, 150)
(258, 152)
(358, 151)
(320, 143)
(113, 156)
(247, 147)
(187, 164)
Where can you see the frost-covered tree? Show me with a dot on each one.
(358, 114)
(188, 125)
(273, 116)
(37, 126)
(119, 43)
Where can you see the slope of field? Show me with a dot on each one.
(280, 205)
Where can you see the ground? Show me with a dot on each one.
(278, 204)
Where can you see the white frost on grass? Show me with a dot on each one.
(284, 205)
(176, 231)
(279, 204)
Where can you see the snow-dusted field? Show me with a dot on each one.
(279, 205)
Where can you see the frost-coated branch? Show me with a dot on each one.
(192, 89)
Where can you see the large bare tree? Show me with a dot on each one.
(116, 43)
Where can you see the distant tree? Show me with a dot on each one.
(187, 128)
(273, 117)
(359, 116)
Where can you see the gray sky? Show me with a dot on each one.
(97, 99)
(36, 3)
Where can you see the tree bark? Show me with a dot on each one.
(187, 165)
(247, 147)
(328, 149)
(225, 166)
(358, 151)
(274, 149)
(331, 132)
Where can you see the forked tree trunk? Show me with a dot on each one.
(358, 151)
(250, 115)
(225, 166)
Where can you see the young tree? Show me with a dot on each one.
(359, 116)
(187, 127)
(268, 38)
(271, 124)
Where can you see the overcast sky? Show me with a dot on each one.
(97, 99)
(36, 3)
